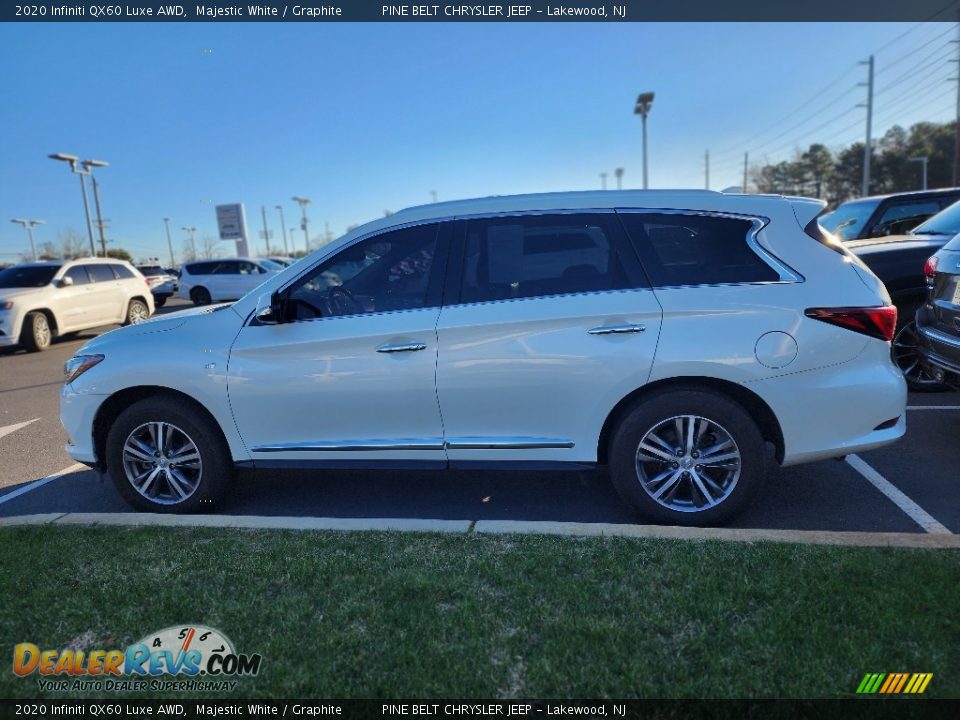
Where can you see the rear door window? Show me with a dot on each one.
(100, 273)
(121, 271)
(678, 249)
(78, 273)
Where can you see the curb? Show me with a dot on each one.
(494, 527)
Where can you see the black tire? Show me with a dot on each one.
(727, 416)
(160, 301)
(137, 312)
(216, 466)
(36, 333)
(200, 296)
(904, 353)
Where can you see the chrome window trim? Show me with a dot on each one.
(757, 223)
(506, 443)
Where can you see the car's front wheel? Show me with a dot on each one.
(36, 335)
(137, 312)
(689, 457)
(164, 458)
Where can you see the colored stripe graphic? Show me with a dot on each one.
(894, 683)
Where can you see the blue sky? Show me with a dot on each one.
(366, 117)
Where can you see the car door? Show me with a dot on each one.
(550, 323)
(75, 304)
(348, 377)
(106, 295)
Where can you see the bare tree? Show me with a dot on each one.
(46, 251)
(211, 248)
(189, 250)
(72, 244)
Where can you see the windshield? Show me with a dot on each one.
(848, 219)
(152, 271)
(945, 222)
(27, 276)
(271, 265)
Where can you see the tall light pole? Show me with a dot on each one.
(923, 160)
(190, 230)
(603, 181)
(303, 202)
(746, 157)
(619, 175)
(173, 261)
(88, 165)
(74, 161)
(266, 230)
(283, 228)
(642, 108)
(867, 147)
(433, 195)
(29, 225)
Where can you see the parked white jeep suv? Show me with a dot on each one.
(41, 300)
(670, 335)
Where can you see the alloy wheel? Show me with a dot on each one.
(688, 463)
(41, 330)
(162, 463)
(907, 358)
(137, 313)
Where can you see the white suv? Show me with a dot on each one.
(41, 300)
(671, 336)
(207, 281)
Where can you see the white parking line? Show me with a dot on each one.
(933, 407)
(41, 482)
(7, 429)
(920, 516)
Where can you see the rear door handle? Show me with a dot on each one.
(407, 347)
(616, 329)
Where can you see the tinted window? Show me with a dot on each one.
(539, 255)
(946, 222)
(229, 267)
(695, 249)
(78, 273)
(917, 209)
(247, 268)
(848, 219)
(200, 268)
(148, 271)
(386, 272)
(121, 271)
(23, 276)
(100, 273)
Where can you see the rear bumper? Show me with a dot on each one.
(939, 356)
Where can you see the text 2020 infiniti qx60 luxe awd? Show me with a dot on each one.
(669, 335)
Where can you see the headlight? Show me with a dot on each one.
(78, 365)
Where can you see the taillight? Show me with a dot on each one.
(930, 269)
(878, 322)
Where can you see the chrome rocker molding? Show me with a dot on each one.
(461, 443)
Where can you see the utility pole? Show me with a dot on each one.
(283, 227)
(746, 157)
(956, 129)
(923, 160)
(266, 231)
(867, 148)
(706, 168)
(303, 202)
(603, 181)
(173, 260)
(100, 222)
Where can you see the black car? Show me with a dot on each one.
(882, 215)
(898, 260)
(938, 320)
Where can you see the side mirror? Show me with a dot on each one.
(65, 281)
(269, 309)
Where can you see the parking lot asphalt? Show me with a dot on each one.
(828, 495)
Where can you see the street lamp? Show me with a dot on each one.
(923, 160)
(173, 261)
(642, 108)
(603, 181)
(29, 225)
(283, 227)
(619, 173)
(74, 160)
(303, 202)
(190, 230)
(88, 165)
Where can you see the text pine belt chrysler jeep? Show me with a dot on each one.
(673, 336)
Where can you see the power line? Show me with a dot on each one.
(912, 52)
(920, 66)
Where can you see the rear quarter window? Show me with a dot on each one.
(679, 250)
(122, 272)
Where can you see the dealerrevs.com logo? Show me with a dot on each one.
(181, 657)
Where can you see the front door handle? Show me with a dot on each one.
(407, 347)
(616, 329)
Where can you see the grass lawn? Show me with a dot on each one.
(419, 615)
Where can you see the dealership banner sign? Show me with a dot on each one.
(555, 11)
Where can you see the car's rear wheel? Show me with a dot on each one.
(907, 358)
(200, 296)
(36, 335)
(689, 457)
(164, 458)
(137, 312)
(159, 300)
